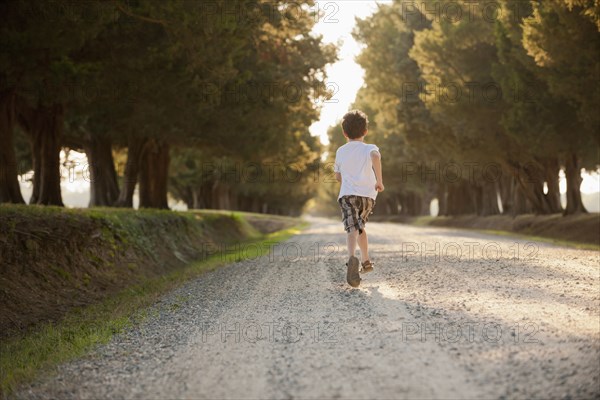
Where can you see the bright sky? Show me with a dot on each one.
(345, 77)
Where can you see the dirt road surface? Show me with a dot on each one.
(508, 319)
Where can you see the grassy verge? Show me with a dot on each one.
(576, 231)
(54, 259)
(23, 357)
(534, 238)
(427, 221)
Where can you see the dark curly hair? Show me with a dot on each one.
(355, 124)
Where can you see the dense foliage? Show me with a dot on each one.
(190, 90)
(479, 101)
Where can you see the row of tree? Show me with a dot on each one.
(178, 86)
(476, 102)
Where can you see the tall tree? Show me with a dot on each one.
(455, 58)
(37, 67)
(10, 192)
(563, 37)
(536, 120)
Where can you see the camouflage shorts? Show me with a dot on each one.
(355, 212)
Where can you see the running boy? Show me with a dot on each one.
(358, 168)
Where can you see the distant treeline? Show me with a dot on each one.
(472, 102)
(171, 86)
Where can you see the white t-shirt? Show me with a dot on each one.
(353, 161)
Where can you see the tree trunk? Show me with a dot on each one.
(386, 203)
(488, 199)
(551, 169)
(206, 194)
(197, 198)
(406, 203)
(10, 192)
(220, 193)
(426, 199)
(507, 184)
(461, 198)
(394, 204)
(415, 204)
(145, 174)
(154, 175)
(50, 193)
(44, 126)
(531, 181)
(104, 189)
(233, 200)
(573, 175)
(452, 199)
(244, 202)
(224, 198)
(132, 169)
(255, 205)
(187, 198)
(441, 195)
(520, 203)
(214, 195)
(36, 154)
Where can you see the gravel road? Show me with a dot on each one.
(509, 319)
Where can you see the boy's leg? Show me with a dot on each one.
(351, 240)
(350, 217)
(367, 205)
(363, 244)
(352, 275)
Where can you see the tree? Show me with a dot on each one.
(265, 110)
(37, 67)
(400, 121)
(9, 184)
(536, 120)
(563, 38)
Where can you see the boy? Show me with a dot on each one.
(358, 167)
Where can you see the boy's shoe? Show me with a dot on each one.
(367, 266)
(352, 276)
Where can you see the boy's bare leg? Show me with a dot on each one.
(351, 242)
(352, 275)
(363, 244)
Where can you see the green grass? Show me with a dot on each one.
(424, 220)
(25, 357)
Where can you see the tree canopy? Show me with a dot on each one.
(475, 103)
(183, 87)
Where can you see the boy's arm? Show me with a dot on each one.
(376, 160)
